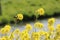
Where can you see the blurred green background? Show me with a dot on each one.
(27, 7)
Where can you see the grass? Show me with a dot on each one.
(27, 7)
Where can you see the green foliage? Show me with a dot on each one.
(28, 7)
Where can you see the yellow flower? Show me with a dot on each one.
(3, 31)
(3, 38)
(24, 35)
(41, 11)
(6, 29)
(51, 28)
(38, 25)
(17, 31)
(58, 28)
(28, 27)
(51, 21)
(20, 16)
(7, 26)
(11, 36)
(35, 34)
(57, 37)
(46, 34)
(42, 32)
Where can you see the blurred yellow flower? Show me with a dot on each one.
(38, 25)
(6, 29)
(28, 27)
(41, 11)
(57, 37)
(7, 26)
(3, 31)
(17, 31)
(51, 21)
(23, 33)
(3, 38)
(20, 16)
(42, 32)
(51, 28)
(11, 36)
(47, 39)
(26, 36)
(58, 28)
(35, 36)
(46, 34)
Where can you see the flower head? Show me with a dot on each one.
(6, 29)
(7, 26)
(17, 31)
(51, 28)
(28, 27)
(3, 38)
(24, 35)
(46, 34)
(58, 28)
(51, 21)
(42, 32)
(38, 25)
(11, 36)
(41, 11)
(35, 34)
(3, 31)
(20, 16)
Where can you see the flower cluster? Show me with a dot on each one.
(52, 34)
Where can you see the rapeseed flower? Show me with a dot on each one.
(11, 36)
(41, 11)
(23, 33)
(6, 29)
(26, 36)
(35, 35)
(46, 34)
(17, 31)
(51, 21)
(42, 32)
(28, 27)
(3, 31)
(58, 28)
(38, 25)
(20, 16)
(51, 28)
(7, 26)
(3, 38)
